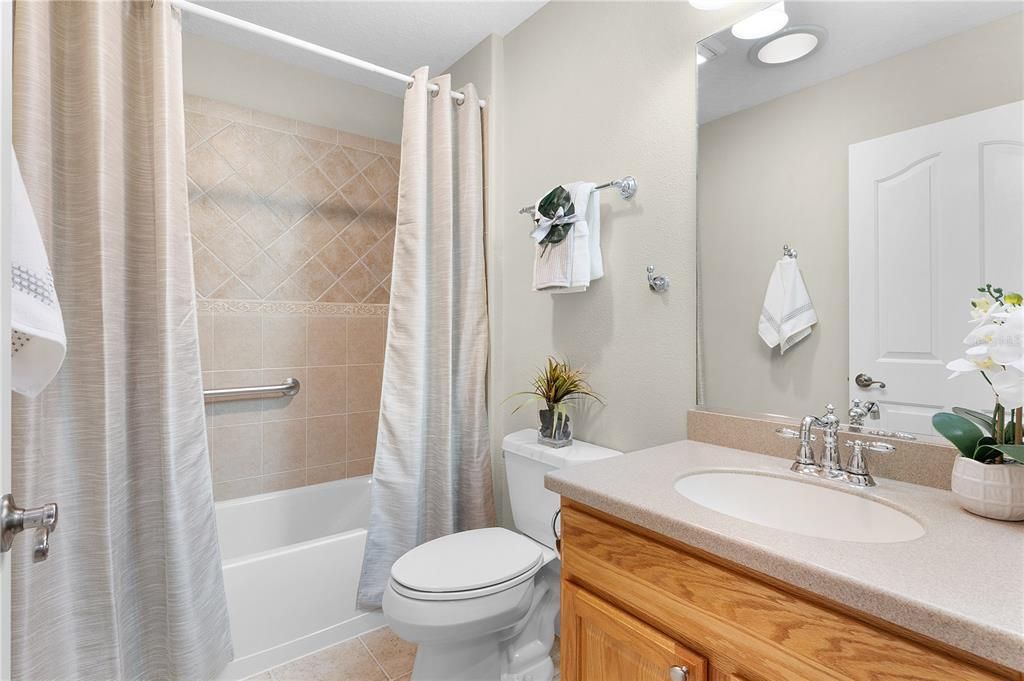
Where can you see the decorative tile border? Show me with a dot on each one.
(206, 306)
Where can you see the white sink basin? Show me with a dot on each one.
(800, 507)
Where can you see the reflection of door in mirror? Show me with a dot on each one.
(935, 212)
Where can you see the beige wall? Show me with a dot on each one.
(777, 173)
(595, 91)
(212, 69)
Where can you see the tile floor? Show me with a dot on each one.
(375, 656)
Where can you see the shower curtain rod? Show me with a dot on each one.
(213, 15)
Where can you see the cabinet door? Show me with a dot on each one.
(602, 643)
(716, 675)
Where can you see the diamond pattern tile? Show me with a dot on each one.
(286, 210)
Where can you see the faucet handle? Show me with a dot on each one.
(791, 434)
(857, 468)
(881, 447)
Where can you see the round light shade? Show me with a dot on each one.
(764, 23)
(789, 47)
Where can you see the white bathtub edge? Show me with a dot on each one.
(257, 663)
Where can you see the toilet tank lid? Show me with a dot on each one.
(524, 443)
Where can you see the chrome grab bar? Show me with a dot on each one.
(286, 389)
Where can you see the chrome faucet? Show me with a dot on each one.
(861, 410)
(831, 465)
(857, 469)
(805, 462)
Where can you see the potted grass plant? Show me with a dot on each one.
(558, 385)
(988, 476)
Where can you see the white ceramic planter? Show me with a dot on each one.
(994, 491)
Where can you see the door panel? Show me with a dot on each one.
(6, 27)
(935, 212)
(602, 643)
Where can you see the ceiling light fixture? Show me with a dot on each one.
(709, 4)
(790, 45)
(764, 23)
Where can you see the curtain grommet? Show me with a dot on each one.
(408, 86)
(436, 92)
(460, 102)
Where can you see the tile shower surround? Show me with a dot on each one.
(325, 432)
(283, 210)
(293, 234)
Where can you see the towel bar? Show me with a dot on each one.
(287, 389)
(627, 188)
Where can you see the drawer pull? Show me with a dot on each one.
(678, 673)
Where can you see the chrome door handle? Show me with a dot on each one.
(678, 673)
(865, 381)
(14, 520)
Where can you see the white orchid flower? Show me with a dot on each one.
(984, 310)
(981, 334)
(969, 364)
(1005, 345)
(1009, 386)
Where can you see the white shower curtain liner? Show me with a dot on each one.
(432, 474)
(133, 586)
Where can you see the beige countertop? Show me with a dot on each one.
(962, 583)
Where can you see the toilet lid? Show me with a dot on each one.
(467, 560)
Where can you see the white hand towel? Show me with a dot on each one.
(37, 327)
(787, 314)
(566, 267)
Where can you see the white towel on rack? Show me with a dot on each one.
(570, 265)
(38, 343)
(787, 314)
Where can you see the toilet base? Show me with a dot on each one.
(522, 653)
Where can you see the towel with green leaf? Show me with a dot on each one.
(567, 232)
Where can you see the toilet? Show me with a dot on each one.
(482, 605)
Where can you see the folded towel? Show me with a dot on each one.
(568, 264)
(787, 314)
(37, 327)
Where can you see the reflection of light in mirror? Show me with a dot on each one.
(764, 23)
(709, 4)
(786, 48)
(701, 59)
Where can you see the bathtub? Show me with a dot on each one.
(291, 568)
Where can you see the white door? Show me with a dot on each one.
(6, 20)
(935, 212)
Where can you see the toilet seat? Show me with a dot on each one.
(467, 565)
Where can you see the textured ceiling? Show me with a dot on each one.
(859, 34)
(398, 35)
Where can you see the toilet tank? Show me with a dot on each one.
(526, 462)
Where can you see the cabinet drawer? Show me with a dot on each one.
(768, 632)
(602, 643)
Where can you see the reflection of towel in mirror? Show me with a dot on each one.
(570, 265)
(37, 327)
(787, 314)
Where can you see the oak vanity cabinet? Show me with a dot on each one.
(637, 606)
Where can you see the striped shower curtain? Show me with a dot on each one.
(133, 586)
(432, 474)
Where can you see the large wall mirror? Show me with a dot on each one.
(882, 143)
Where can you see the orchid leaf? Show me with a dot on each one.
(1015, 452)
(979, 418)
(983, 452)
(961, 432)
